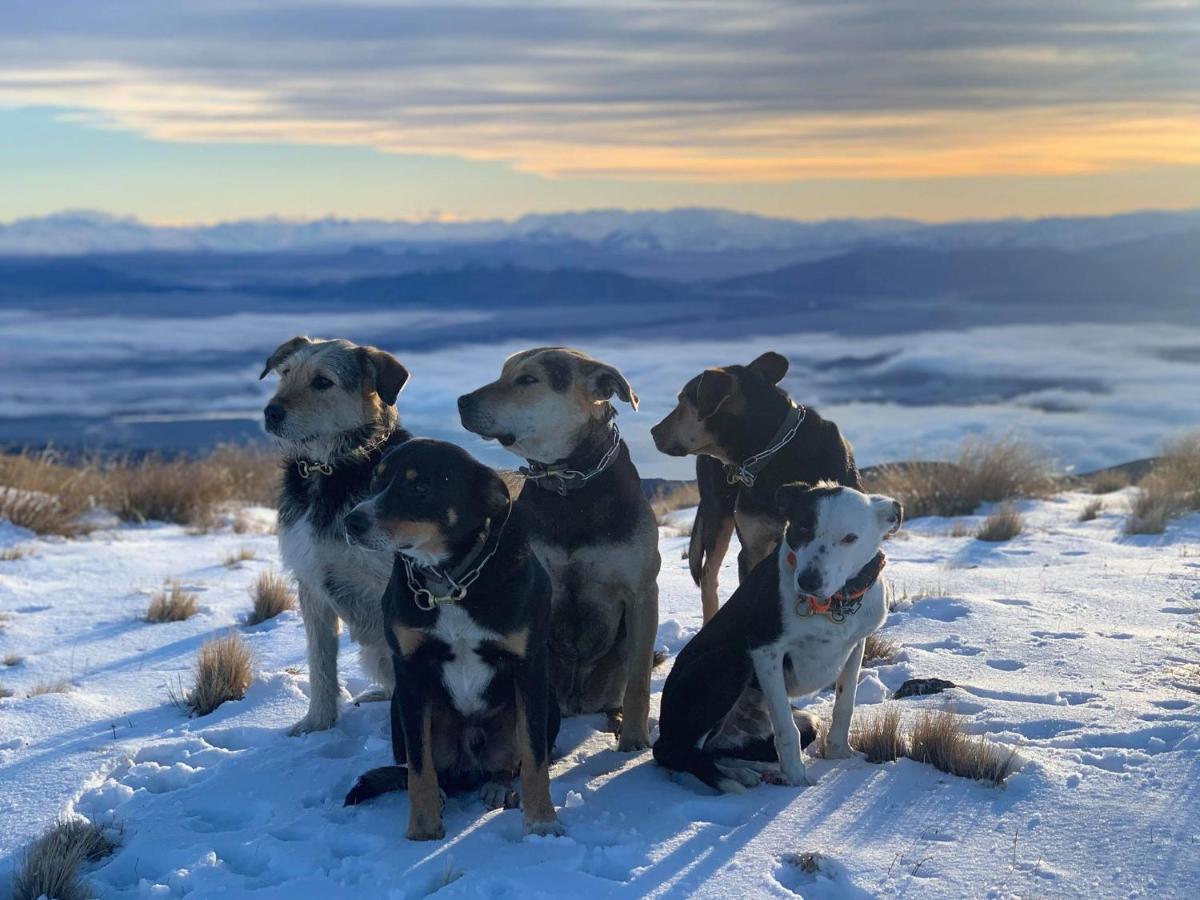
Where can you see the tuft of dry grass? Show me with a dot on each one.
(879, 649)
(1091, 511)
(940, 739)
(5, 618)
(4, 692)
(172, 604)
(1108, 481)
(13, 553)
(986, 471)
(48, 687)
(12, 659)
(669, 499)
(224, 671)
(272, 595)
(50, 867)
(1172, 489)
(878, 735)
(1004, 524)
(41, 492)
(243, 554)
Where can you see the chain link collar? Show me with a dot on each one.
(307, 468)
(746, 473)
(432, 586)
(562, 480)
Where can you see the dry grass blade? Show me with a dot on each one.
(1108, 481)
(48, 687)
(243, 554)
(272, 595)
(669, 499)
(224, 671)
(51, 865)
(1091, 511)
(986, 471)
(879, 649)
(1172, 489)
(1004, 524)
(940, 739)
(5, 618)
(172, 604)
(877, 734)
(13, 659)
(40, 492)
(4, 692)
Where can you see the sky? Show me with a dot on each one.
(931, 109)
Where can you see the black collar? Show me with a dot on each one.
(562, 478)
(745, 473)
(432, 586)
(310, 467)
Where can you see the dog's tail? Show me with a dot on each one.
(377, 782)
(713, 524)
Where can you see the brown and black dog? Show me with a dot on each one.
(590, 525)
(467, 615)
(749, 438)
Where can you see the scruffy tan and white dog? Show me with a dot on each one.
(332, 419)
(589, 524)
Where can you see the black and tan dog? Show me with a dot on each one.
(332, 418)
(749, 438)
(590, 525)
(467, 616)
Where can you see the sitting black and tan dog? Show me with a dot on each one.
(798, 623)
(749, 438)
(467, 616)
(590, 524)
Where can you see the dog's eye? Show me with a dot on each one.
(321, 383)
(526, 379)
(850, 539)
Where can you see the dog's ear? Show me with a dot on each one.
(715, 387)
(282, 352)
(387, 372)
(890, 512)
(771, 366)
(789, 496)
(605, 380)
(494, 492)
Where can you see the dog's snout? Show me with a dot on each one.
(357, 523)
(466, 401)
(274, 415)
(809, 580)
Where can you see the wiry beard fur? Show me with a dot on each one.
(342, 445)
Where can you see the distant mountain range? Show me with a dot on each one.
(691, 231)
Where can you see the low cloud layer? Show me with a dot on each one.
(695, 90)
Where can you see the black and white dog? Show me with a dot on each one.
(468, 618)
(332, 418)
(798, 623)
(749, 438)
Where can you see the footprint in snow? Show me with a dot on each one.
(1006, 665)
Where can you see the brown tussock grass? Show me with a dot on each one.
(13, 553)
(48, 687)
(41, 492)
(4, 692)
(879, 649)
(224, 671)
(1003, 524)
(241, 555)
(13, 659)
(1091, 511)
(877, 734)
(51, 866)
(172, 604)
(940, 739)
(985, 471)
(1170, 490)
(5, 618)
(667, 500)
(272, 595)
(1108, 481)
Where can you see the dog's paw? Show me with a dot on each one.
(432, 832)
(633, 741)
(832, 750)
(374, 695)
(314, 722)
(737, 778)
(499, 796)
(613, 722)
(548, 828)
(796, 777)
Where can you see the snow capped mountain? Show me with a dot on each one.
(694, 230)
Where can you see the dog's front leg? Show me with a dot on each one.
(533, 744)
(321, 632)
(768, 667)
(641, 620)
(837, 741)
(416, 717)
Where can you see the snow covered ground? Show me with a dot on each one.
(1071, 642)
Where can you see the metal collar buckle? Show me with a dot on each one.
(746, 473)
(305, 468)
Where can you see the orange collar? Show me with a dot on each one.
(847, 600)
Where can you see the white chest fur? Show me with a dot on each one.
(465, 676)
(817, 647)
(315, 561)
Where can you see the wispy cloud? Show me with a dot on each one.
(727, 90)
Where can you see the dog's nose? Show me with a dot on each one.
(356, 523)
(274, 415)
(809, 580)
(465, 401)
